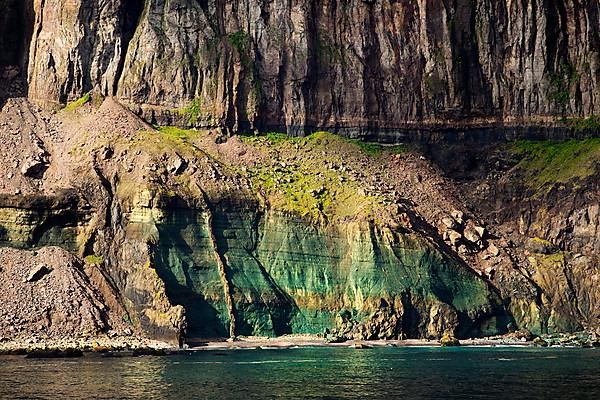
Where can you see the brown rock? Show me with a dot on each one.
(37, 273)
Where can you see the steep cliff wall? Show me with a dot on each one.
(360, 65)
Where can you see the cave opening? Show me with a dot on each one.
(131, 12)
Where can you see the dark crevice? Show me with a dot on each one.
(131, 12)
(16, 24)
(16, 29)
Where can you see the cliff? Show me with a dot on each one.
(355, 67)
(177, 232)
(125, 195)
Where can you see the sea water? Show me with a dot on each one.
(312, 373)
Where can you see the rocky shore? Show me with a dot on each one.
(76, 347)
(135, 346)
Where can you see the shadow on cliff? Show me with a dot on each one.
(176, 264)
(271, 309)
(16, 29)
(131, 12)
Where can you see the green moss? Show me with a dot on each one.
(93, 259)
(580, 125)
(86, 98)
(561, 81)
(240, 40)
(307, 188)
(277, 137)
(193, 111)
(549, 260)
(541, 241)
(372, 149)
(177, 133)
(549, 162)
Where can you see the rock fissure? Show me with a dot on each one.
(222, 266)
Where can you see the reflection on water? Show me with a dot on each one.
(383, 373)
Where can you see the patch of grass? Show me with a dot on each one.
(93, 259)
(309, 192)
(371, 149)
(86, 98)
(193, 111)
(580, 125)
(549, 162)
(376, 149)
(176, 133)
(312, 179)
(278, 137)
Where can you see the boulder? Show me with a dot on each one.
(472, 235)
(37, 273)
(450, 223)
(493, 250)
(33, 167)
(449, 340)
(458, 216)
(177, 165)
(454, 237)
(481, 231)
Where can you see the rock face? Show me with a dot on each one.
(353, 66)
(217, 249)
(170, 232)
(545, 209)
(272, 235)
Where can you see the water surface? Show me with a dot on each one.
(313, 373)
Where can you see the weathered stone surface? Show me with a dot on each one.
(75, 47)
(268, 235)
(358, 67)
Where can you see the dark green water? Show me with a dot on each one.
(317, 373)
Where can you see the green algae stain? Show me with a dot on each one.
(184, 260)
(291, 277)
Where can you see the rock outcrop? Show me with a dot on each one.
(356, 67)
(271, 235)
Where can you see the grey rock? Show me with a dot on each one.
(37, 273)
(278, 64)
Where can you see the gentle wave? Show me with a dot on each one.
(255, 362)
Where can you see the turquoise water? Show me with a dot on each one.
(313, 373)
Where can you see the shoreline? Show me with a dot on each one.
(135, 346)
(289, 342)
